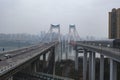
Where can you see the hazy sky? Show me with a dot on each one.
(33, 16)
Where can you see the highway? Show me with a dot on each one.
(12, 53)
(23, 56)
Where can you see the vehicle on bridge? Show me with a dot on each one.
(8, 56)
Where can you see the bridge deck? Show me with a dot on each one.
(11, 63)
(110, 52)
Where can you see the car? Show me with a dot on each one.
(8, 56)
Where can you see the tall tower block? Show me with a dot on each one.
(114, 24)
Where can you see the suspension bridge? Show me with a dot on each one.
(25, 64)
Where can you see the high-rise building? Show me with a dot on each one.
(114, 24)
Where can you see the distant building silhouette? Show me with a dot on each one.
(3, 49)
(114, 24)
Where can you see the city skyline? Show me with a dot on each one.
(28, 16)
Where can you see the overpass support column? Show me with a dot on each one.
(93, 67)
(44, 57)
(61, 48)
(66, 51)
(85, 65)
(44, 62)
(34, 67)
(90, 61)
(51, 61)
(59, 53)
(101, 67)
(54, 61)
(113, 70)
(38, 65)
(76, 58)
(68, 47)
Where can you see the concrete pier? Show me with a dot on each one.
(85, 65)
(101, 67)
(113, 70)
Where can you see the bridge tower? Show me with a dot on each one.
(53, 35)
(56, 36)
(73, 37)
(73, 34)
